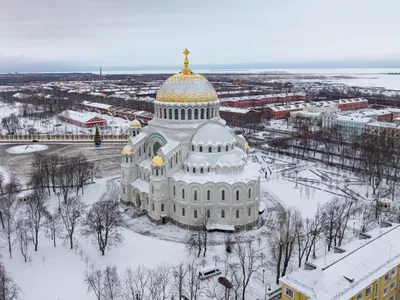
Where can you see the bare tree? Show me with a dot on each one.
(192, 285)
(71, 213)
(160, 287)
(94, 281)
(54, 225)
(179, 273)
(199, 240)
(83, 171)
(8, 289)
(112, 283)
(103, 222)
(36, 211)
(367, 216)
(9, 208)
(135, 283)
(247, 261)
(23, 229)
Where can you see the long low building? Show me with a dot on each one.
(261, 100)
(365, 268)
(81, 119)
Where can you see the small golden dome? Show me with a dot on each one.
(127, 149)
(157, 160)
(246, 145)
(135, 124)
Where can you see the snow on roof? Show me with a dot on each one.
(146, 164)
(224, 227)
(21, 96)
(137, 139)
(234, 109)
(353, 119)
(169, 146)
(220, 135)
(97, 105)
(25, 193)
(383, 124)
(141, 185)
(251, 172)
(363, 262)
(267, 96)
(78, 116)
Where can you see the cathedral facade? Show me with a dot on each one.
(187, 166)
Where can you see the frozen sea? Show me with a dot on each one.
(358, 77)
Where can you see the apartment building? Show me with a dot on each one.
(367, 268)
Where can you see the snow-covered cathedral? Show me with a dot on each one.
(187, 165)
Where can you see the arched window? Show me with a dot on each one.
(176, 114)
(202, 113)
(219, 148)
(182, 114)
(176, 158)
(208, 112)
(157, 171)
(227, 148)
(249, 193)
(195, 214)
(174, 189)
(152, 206)
(208, 213)
(201, 170)
(152, 189)
(170, 163)
(160, 112)
(223, 213)
(183, 211)
(223, 195)
(192, 147)
(208, 194)
(187, 169)
(212, 112)
(174, 208)
(162, 206)
(170, 114)
(165, 113)
(201, 149)
(237, 195)
(208, 170)
(189, 114)
(183, 193)
(194, 170)
(249, 211)
(209, 149)
(195, 195)
(237, 214)
(196, 114)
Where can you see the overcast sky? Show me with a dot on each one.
(155, 32)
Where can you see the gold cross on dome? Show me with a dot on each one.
(186, 62)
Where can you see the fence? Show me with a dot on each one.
(60, 137)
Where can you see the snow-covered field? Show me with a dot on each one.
(24, 149)
(146, 244)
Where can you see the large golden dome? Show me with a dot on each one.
(186, 86)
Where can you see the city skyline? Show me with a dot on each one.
(83, 35)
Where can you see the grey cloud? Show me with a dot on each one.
(154, 32)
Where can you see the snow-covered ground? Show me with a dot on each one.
(24, 149)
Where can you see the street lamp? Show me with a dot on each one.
(263, 275)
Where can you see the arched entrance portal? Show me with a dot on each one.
(154, 142)
(156, 146)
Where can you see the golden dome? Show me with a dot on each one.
(246, 145)
(186, 86)
(127, 149)
(157, 160)
(135, 124)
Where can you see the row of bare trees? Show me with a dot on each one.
(293, 236)
(181, 281)
(68, 173)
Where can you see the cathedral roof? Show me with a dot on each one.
(187, 87)
(213, 134)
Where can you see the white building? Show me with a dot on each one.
(186, 165)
